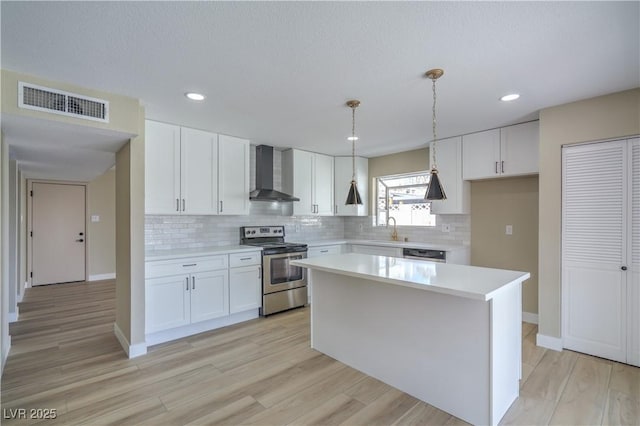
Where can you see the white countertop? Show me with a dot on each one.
(387, 243)
(153, 255)
(471, 282)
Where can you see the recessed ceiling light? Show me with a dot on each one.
(510, 97)
(195, 96)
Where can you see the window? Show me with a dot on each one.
(402, 197)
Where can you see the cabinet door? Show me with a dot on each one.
(198, 174)
(167, 303)
(233, 175)
(343, 172)
(209, 295)
(302, 182)
(449, 158)
(519, 149)
(481, 155)
(323, 184)
(245, 289)
(162, 168)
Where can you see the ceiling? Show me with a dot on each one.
(279, 73)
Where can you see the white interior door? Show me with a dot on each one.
(59, 235)
(594, 249)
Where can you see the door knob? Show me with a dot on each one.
(624, 268)
(81, 233)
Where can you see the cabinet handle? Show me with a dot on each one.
(336, 210)
(187, 289)
(189, 264)
(245, 258)
(324, 251)
(502, 166)
(220, 206)
(183, 204)
(496, 167)
(259, 272)
(177, 204)
(193, 283)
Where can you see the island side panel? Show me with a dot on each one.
(506, 349)
(433, 346)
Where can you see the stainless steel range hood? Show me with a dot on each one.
(264, 178)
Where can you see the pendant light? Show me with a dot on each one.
(353, 197)
(434, 190)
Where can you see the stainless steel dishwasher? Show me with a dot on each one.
(425, 254)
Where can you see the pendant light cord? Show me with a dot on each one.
(353, 143)
(433, 154)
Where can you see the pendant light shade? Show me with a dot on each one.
(435, 191)
(353, 197)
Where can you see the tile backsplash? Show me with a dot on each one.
(178, 232)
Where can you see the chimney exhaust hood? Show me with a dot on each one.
(264, 178)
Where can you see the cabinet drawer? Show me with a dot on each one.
(163, 268)
(245, 259)
(323, 251)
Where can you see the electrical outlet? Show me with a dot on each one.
(509, 230)
(446, 227)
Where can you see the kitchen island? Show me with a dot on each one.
(449, 335)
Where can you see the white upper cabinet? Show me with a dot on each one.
(343, 173)
(449, 159)
(189, 171)
(308, 176)
(162, 168)
(198, 183)
(233, 175)
(509, 151)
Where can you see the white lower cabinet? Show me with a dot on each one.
(317, 252)
(245, 282)
(191, 295)
(185, 291)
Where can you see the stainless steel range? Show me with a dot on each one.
(283, 286)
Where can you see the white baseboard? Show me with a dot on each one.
(101, 277)
(13, 316)
(132, 351)
(530, 318)
(200, 327)
(21, 295)
(549, 342)
(5, 352)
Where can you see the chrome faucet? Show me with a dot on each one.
(394, 234)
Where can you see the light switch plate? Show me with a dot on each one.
(95, 218)
(509, 230)
(446, 227)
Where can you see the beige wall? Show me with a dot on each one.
(496, 203)
(392, 164)
(605, 117)
(5, 339)
(101, 236)
(123, 111)
(130, 299)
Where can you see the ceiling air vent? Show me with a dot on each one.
(55, 101)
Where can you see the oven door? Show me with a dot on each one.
(279, 275)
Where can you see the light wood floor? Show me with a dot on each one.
(262, 372)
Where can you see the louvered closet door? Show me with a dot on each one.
(594, 248)
(633, 273)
